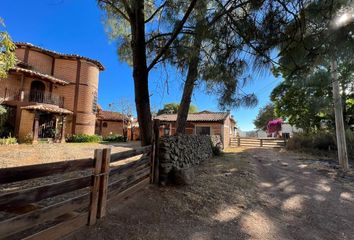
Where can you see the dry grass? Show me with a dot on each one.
(28, 154)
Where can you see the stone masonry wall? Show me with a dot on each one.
(182, 152)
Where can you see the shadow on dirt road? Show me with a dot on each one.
(245, 194)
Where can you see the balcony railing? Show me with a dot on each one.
(10, 94)
(32, 96)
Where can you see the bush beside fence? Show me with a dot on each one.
(321, 142)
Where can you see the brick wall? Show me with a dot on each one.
(40, 61)
(26, 126)
(20, 53)
(88, 88)
(65, 69)
(226, 132)
(112, 127)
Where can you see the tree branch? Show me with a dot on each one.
(127, 8)
(174, 35)
(166, 34)
(110, 3)
(156, 11)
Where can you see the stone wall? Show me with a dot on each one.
(179, 154)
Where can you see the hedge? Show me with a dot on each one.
(80, 138)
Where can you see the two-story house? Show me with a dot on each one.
(50, 94)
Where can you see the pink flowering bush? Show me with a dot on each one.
(274, 125)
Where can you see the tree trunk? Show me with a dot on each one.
(140, 73)
(192, 76)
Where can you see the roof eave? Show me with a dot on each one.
(61, 55)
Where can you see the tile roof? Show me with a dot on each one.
(47, 108)
(57, 54)
(40, 75)
(109, 115)
(204, 116)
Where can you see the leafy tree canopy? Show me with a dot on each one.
(172, 108)
(7, 55)
(265, 115)
(7, 48)
(305, 96)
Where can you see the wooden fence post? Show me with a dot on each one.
(102, 199)
(238, 142)
(95, 187)
(152, 162)
(261, 142)
(155, 153)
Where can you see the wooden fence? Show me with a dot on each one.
(94, 183)
(258, 142)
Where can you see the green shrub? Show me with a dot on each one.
(324, 141)
(299, 141)
(350, 143)
(80, 138)
(319, 141)
(115, 138)
(8, 141)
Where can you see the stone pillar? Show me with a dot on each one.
(62, 135)
(35, 128)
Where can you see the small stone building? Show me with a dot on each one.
(201, 123)
(50, 95)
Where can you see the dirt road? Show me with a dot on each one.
(249, 194)
(298, 199)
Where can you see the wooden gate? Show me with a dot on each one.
(68, 195)
(257, 142)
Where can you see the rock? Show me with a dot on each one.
(183, 176)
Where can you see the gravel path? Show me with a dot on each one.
(250, 194)
(27, 154)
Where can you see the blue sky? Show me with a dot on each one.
(75, 26)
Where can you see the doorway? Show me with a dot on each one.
(37, 92)
(47, 126)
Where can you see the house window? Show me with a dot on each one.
(104, 125)
(202, 130)
(94, 103)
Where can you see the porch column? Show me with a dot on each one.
(63, 120)
(22, 93)
(101, 126)
(35, 128)
(57, 129)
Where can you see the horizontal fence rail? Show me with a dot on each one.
(80, 197)
(16, 174)
(258, 142)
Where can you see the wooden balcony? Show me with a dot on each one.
(32, 97)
